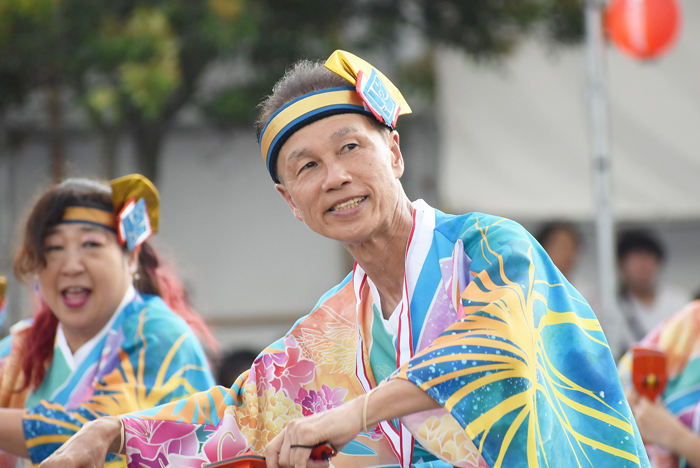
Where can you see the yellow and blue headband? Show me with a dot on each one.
(136, 212)
(372, 94)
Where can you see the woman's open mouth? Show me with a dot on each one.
(348, 205)
(75, 297)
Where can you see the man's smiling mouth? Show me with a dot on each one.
(347, 205)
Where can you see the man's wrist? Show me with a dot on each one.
(111, 429)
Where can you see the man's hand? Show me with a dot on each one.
(88, 447)
(337, 426)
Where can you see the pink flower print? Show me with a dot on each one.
(150, 439)
(227, 441)
(137, 459)
(288, 370)
(313, 402)
(265, 371)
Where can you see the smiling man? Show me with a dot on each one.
(486, 355)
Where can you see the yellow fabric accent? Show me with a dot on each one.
(3, 288)
(49, 439)
(137, 186)
(347, 65)
(93, 215)
(302, 107)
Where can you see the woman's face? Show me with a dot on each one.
(85, 278)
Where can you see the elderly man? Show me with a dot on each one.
(486, 356)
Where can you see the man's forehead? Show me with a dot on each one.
(331, 128)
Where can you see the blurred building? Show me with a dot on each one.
(510, 140)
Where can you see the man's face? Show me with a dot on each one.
(340, 177)
(639, 270)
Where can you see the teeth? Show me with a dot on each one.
(348, 204)
(74, 290)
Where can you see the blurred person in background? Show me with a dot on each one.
(670, 426)
(453, 342)
(113, 332)
(233, 364)
(562, 242)
(644, 301)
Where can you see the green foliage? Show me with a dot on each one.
(492, 28)
(135, 63)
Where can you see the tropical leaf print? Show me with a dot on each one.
(503, 372)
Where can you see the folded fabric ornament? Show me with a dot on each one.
(378, 93)
(135, 214)
(137, 203)
(371, 94)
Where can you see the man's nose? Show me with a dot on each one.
(337, 175)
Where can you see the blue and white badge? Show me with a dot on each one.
(377, 97)
(134, 224)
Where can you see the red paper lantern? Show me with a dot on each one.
(643, 29)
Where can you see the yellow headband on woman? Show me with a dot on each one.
(87, 214)
(371, 94)
(136, 210)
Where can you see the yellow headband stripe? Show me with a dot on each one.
(76, 214)
(302, 111)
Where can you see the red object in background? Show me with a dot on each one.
(643, 29)
(649, 371)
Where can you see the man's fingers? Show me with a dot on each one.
(300, 456)
(272, 451)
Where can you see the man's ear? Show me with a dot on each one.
(282, 189)
(397, 163)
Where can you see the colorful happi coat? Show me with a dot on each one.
(679, 338)
(148, 357)
(487, 326)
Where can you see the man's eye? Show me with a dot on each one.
(308, 165)
(350, 146)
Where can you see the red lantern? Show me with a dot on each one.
(643, 29)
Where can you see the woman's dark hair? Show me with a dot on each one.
(154, 277)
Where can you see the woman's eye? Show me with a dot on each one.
(53, 248)
(91, 244)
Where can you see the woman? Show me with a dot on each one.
(670, 425)
(454, 340)
(103, 341)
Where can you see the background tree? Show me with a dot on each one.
(133, 65)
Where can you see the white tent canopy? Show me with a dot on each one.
(516, 142)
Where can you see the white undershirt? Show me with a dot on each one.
(75, 359)
(391, 324)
